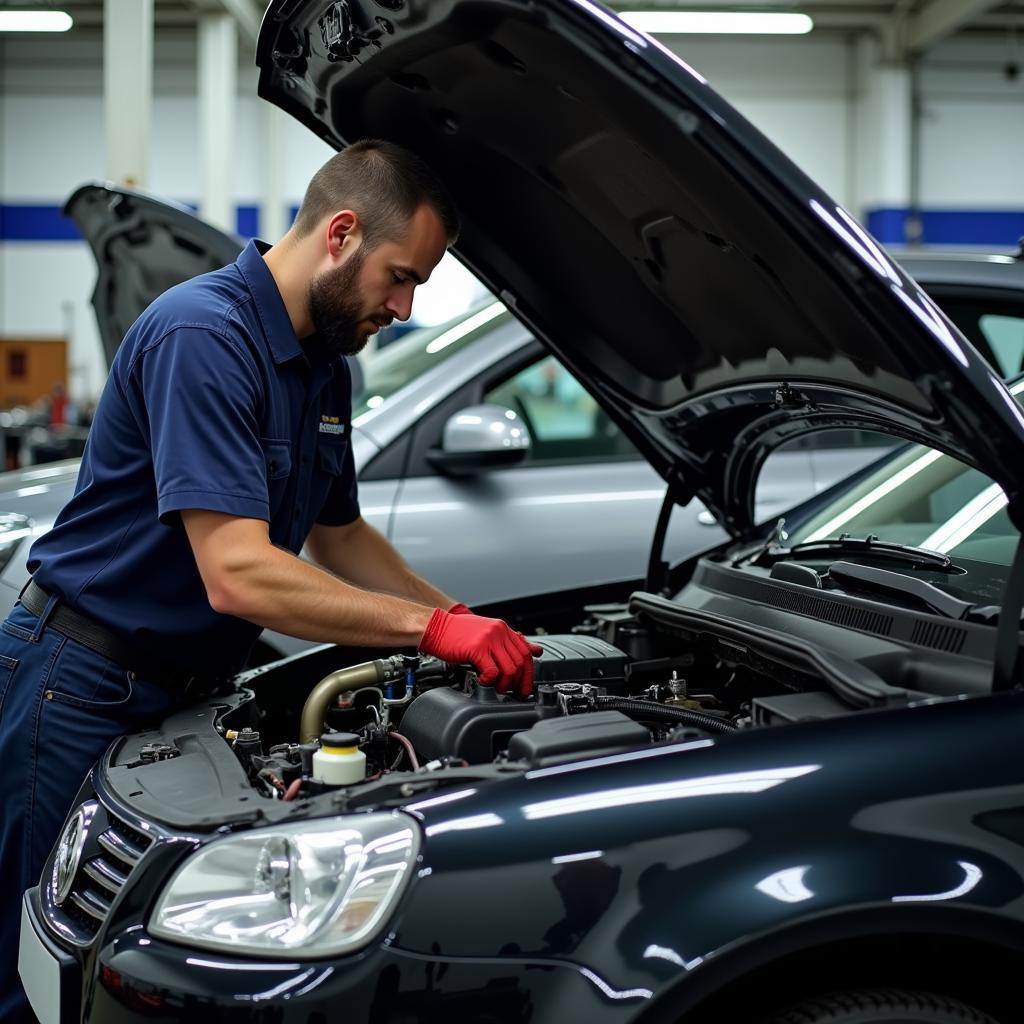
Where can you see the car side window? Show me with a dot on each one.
(1005, 336)
(995, 329)
(565, 423)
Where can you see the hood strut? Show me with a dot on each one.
(657, 567)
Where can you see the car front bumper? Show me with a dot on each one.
(136, 978)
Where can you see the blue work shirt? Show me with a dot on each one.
(213, 403)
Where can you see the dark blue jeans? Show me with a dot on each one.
(61, 705)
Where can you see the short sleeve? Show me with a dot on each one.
(198, 393)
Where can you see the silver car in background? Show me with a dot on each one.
(479, 454)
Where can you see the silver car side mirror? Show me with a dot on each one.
(481, 437)
(485, 428)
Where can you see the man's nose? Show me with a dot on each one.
(399, 304)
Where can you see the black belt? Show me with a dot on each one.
(89, 633)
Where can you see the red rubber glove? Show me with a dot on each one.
(459, 609)
(500, 655)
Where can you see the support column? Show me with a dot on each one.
(128, 88)
(273, 215)
(218, 92)
(884, 149)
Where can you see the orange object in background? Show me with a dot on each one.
(30, 369)
(33, 378)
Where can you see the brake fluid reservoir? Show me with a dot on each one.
(339, 761)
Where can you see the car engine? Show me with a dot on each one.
(616, 683)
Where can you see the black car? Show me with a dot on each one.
(782, 783)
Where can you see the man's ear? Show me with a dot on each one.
(344, 234)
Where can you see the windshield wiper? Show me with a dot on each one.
(845, 545)
(868, 577)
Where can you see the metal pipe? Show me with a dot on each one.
(370, 673)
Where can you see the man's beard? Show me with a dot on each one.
(336, 309)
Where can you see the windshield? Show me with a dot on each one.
(391, 369)
(926, 499)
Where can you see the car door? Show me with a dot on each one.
(579, 510)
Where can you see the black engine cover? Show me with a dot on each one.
(580, 659)
(450, 723)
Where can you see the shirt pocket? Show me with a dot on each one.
(330, 452)
(278, 458)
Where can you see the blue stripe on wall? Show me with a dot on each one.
(28, 222)
(999, 229)
(887, 225)
(247, 221)
(23, 222)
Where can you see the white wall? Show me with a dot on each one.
(972, 126)
(829, 101)
(805, 93)
(52, 140)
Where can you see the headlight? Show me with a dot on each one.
(319, 888)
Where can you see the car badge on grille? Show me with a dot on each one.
(69, 852)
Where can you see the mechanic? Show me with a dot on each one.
(219, 448)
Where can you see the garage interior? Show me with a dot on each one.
(906, 112)
(726, 471)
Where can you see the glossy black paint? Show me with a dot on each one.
(703, 287)
(387, 986)
(889, 805)
(639, 881)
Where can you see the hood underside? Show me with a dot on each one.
(711, 296)
(142, 246)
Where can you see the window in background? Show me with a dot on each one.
(565, 423)
(995, 329)
(1005, 335)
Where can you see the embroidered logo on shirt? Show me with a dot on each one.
(331, 425)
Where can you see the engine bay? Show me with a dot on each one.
(408, 712)
(619, 681)
(369, 725)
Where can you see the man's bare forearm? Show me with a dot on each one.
(363, 556)
(248, 577)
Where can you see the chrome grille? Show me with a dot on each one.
(121, 847)
(115, 850)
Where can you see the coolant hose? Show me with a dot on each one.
(369, 673)
(647, 709)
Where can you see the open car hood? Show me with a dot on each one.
(143, 246)
(711, 296)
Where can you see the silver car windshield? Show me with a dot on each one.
(924, 498)
(391, 369)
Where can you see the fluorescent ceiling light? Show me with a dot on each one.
(34, 21)
(755, 23)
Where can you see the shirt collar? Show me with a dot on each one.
(284, 344)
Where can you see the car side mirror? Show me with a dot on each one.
(479, 438)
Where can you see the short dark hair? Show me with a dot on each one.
(382, 182)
